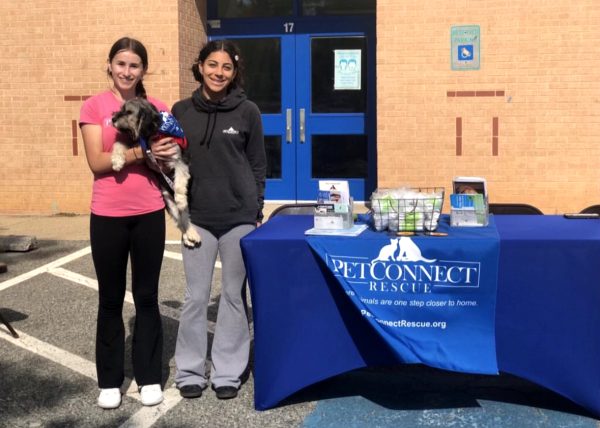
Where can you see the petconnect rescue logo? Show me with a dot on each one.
(400, 267)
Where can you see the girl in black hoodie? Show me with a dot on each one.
(228, 167)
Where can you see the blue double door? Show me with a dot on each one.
(316, 93)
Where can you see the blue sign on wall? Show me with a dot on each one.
(465, 52)
(465, 42)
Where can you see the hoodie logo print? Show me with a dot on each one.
(231, 131)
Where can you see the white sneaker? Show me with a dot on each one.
(151, 394)
(109, 398)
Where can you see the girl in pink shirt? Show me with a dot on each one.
(127, 222)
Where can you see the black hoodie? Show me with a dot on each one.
(227, 157)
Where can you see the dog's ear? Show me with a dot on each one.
(143, 110)
(140, 125)
(149, 119)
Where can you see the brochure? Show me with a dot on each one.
(469, 185)
(468, 210)
(336, 191)
(355, 230)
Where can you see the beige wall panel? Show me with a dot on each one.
(545, 56)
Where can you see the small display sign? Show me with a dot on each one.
(464, 50)
(347, 69)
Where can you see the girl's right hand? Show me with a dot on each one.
(164, 149)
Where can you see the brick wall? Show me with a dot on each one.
(54, 54)
(192, 36)
(528, 120)
(538, 88)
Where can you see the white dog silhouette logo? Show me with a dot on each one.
(406, 249)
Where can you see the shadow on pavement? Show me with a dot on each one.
(47, 251)
(418, 387)
(13, 316)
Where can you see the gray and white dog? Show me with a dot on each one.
(141, 122)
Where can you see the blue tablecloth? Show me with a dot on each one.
(547, 315)
(433, 300)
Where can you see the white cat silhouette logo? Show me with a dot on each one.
(387, 251)
(406, 249)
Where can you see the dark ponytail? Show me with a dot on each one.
(140, 90)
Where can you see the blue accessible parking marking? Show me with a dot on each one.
(465, 52)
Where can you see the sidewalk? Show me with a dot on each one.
(69, 227)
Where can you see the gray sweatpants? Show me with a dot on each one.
(231, 342)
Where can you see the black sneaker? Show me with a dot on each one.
(191, 391)
(226, 392)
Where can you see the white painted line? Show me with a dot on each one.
(43, 269)
(52, 353)
(173, 255)
(62, 357)
(75, 277)
(93, 284)
(84, 280)
(147, 416)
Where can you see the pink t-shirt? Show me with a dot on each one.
(133, 190)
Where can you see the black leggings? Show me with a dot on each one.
(113, 241)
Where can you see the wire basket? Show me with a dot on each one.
(407, 209)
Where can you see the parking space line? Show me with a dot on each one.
(74, 362)
(84, 280)
(173, 255)
(52, 353)
(74, 277)
(45, 268)
(147, 416)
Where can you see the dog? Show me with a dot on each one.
(142, 122)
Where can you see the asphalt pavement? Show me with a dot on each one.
(48, 379)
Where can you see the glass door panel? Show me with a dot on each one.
(338, 142)
(337, 7)
(267, 74)
(339, 156)
(338, 75)
(253, 8)
(273, 150)
(262, 72)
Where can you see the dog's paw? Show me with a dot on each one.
(191, 238)
(118, 162)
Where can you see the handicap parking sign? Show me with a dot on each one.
(465, 52)
(465, 42)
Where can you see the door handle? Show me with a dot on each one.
(288, 125)
(302, 126)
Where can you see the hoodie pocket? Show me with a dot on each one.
(214, 195)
